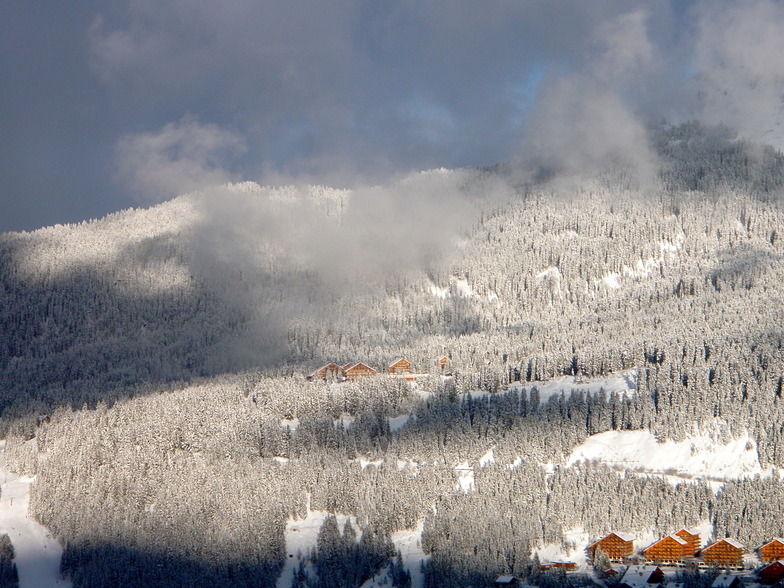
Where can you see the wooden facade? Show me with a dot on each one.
(771, 573)
(670, 550)
(616, 545)
(772, 551)
(693, 542)
(331, 371)
(724, 553)
(441, 362)
(400, 366)
(358, 370)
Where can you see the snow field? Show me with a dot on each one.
(622, 383)
(36, 553)
(301, 536)
(697, 457)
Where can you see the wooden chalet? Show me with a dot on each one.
(726, 580)
(771, 573)
(670, 550)
(358, 370)
(616, 545)
(772, 551)
(440, 362)
(331, 371)
(400, 366)
(724, 553)
(693, 542)
(506, 581)
(641, 576)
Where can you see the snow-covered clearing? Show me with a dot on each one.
(36, 553)
(290, 424)
(576, 541)
(622, 383)
(409, 544)
(301, 535)
(398, 422)
(465, 477)
(345, 421)
(643, 269)
(698, 457)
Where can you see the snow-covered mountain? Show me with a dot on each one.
(602, 337)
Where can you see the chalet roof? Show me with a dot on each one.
(324, 367)
(504, 579)
(621, 536)
(734, 542)
(356, 365)
(774, 540)
(397, 361)
(674, 537)
(637, 576)
(724, 580)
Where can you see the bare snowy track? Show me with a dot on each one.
(37, 554)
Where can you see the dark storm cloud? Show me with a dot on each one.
(347, 91)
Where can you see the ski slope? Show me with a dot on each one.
(36, 553)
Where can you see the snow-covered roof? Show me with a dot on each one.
(356, 365)
(723, 580)
(774, 540)
(734, 542)
(680, 540)
(326, 366)
(674, 537)
(637, 576)
(504, 579)
(621, 536)
(397, 361)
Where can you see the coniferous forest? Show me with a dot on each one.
(153, 367)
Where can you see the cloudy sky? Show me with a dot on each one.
(111, 104)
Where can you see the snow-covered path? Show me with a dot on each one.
(36, 554)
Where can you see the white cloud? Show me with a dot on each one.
(181, 157)
(586, 119)
(738, 60)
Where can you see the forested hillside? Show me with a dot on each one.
(152, 366)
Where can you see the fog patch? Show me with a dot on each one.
(586, 121)
(740, 72)
(182, 157)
